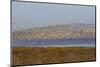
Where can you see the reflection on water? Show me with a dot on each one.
(52, 42)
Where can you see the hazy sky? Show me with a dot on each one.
(30, 15)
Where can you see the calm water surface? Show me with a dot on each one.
(54, 42)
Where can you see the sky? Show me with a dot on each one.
(31, 15)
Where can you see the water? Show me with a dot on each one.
(89, 42)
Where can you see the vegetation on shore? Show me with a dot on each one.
(42, 55)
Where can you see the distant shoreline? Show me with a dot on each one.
(57, 32)
(57, 25)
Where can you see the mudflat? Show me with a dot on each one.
(45, 55)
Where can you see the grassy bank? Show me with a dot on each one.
(40, 55)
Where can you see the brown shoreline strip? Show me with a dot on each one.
(44, 55)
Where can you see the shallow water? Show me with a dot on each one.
(54, 42)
